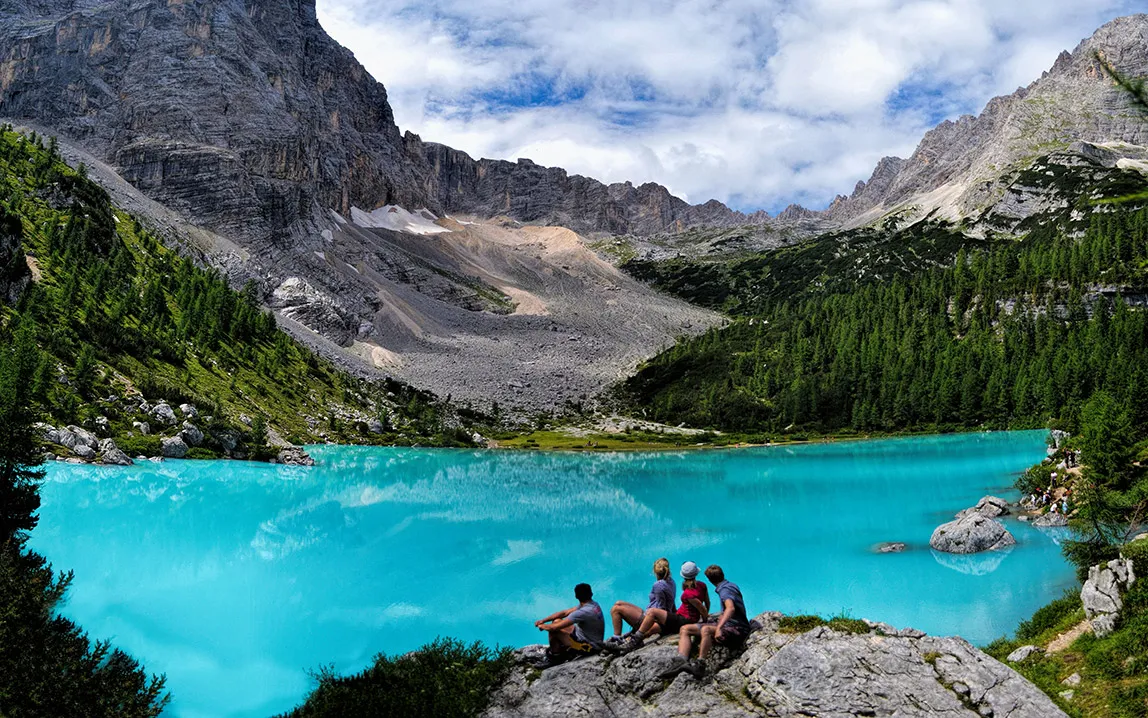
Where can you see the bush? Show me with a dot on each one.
(200, 454)
(799, 624)
(446, 679)
(1138, 552)
(141, 445)
(1050, 616)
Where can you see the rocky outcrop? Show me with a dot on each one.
(971, 533)
(963, 168)
(782, 675)
(14, 271)
(989, 507)
(1103, 593)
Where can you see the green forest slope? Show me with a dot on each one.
(122, 318)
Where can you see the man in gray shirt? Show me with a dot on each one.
(729, 628)
(574, 631)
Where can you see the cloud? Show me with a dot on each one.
(754, 102)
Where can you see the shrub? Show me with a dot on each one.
(1138, 552)
(1050, 616)
(446, 679)
(799, 624)
(141, 445)
(201, 454)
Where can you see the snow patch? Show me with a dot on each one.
(398, 219)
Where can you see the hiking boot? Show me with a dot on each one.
(677, 665)
(552, 659)
(696, 668)
(613, 644)
(633, 643)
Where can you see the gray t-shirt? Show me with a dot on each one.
(663, 594)
(589, 625)
(728, 591)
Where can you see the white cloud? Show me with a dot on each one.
(761, 102)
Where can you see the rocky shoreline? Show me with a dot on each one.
(860, 669)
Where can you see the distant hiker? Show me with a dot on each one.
(574, 631)
(1064, 505)
(730, 628)
(661, 597)
(695, 607)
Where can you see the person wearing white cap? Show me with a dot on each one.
(695, 608)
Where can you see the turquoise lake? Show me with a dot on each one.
(236, 579)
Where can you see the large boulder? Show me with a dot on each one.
(972, 533)
(189, 411)
(85, 437)
(783, 675)
(84, 451)
(294, 456)
(111, 454)
(1103, 593)
(163, 414)
(174, 447)
(1050, 520)
(142, 427)
(990, 506)
(191, 434)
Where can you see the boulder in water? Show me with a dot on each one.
(294, 456)
(890, 547)
(972, 533)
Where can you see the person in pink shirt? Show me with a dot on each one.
(694, 609)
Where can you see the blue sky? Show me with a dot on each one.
(758, 103)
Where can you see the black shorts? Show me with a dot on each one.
(674, 623)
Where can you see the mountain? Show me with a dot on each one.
(246, 115)
(969, 169)
(239, 130)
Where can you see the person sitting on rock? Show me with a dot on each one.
(574, 631)
(661, 598)
(730, 629)
(695, 607)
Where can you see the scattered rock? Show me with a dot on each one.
(990, 506)
(102, 425)
(85, 437)
(1057, 438)
(174, 447)
(890, 547)
(375, 426)
(163, 414)
(1022, 653)
(1067, 695)
(1073, 680)
(189, 411)
(111, 455)
(84, 451)
(478, 439)
(971, 534)
(245, 419)
(227, 439)
(1050, 520)
(818, 673)
(142, 427)
(295, 456)
(191, 434)
(1102, 594)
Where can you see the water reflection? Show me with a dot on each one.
(222, 574)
